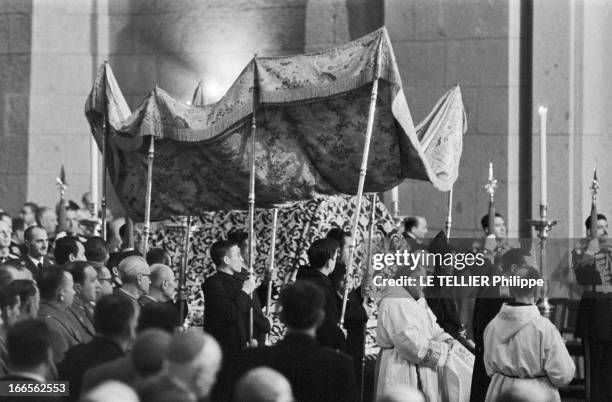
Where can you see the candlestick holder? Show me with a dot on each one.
(543, 227)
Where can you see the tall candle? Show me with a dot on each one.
(395, 201)
(542, 111)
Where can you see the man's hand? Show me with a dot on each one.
(490, 243)
(369, 309)
(593, 247)
(249, 286)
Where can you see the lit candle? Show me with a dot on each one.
(542, 111)
(395, 201)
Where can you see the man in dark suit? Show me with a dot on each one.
(30, 357)
(37, 246)
(322, 256)
(316, 374)
(115, 318)
(226, 301)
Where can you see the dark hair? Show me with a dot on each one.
(238, 237)
(64, 247)
(70, 206)
(49, 281)
(525, 273)
(77, 269)
(321, 251)
(8, 296)
(113, 314)
(587, 222)
(27, 235)
(5, 275)
(484, 222)
(302, 305)
(219, 250)
(3, 214)
(409, 223)
(95, 249)
(157, 256)
(24, 288)
(18, 224)
(28, 343)
(32, 206)
(158, 315)
(514, 256)
(338, 235)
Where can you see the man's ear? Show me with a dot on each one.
(71, 257)
(77, 287)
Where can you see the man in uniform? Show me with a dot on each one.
(591, 262)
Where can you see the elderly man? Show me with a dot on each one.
(263, 384)
(135, 276)
(163, 289)
(37, 246)
(47, 219)
(194, 359)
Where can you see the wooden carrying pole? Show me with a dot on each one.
(103, 199)
(364, 284)
(272, 252)
(252, 190)
(449, 215)
(182, 290)
(362, 176)
(271, 279)
(147, 220)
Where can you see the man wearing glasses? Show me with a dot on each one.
(135, 276)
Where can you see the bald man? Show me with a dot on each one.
(135, 276)
(263, 384)
(163, 290)
(194, 359)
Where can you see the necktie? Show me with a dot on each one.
(40, 266)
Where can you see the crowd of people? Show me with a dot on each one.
(106, 319)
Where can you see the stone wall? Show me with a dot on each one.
(15, 32)
(439, 44)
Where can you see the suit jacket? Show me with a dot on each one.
(26, 261)
(225, 305)
(82, 357)
(329, 333)
(83, 315)
(120, 369)
(65, 331)
(17, 398)
(316, 374)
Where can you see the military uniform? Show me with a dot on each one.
(594, 324)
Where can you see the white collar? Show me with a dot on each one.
(35, 261)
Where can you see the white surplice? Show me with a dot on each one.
(522, 347)
(410, 340)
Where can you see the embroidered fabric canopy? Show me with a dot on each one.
(311, 112)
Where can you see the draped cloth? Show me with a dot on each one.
(311, 112)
